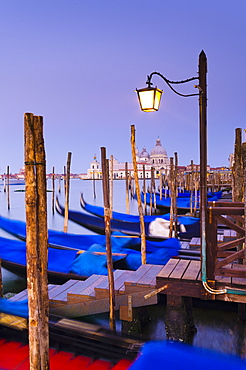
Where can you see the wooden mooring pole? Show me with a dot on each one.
(140, 208)
(67, 192)
(173, 198)
(8, 190)
(127, 188)
(111, 184)
(36, 242)
(144, 190)
(53, 190)
(244, 180)
(237, 169)
(93, 184)
(106, 198)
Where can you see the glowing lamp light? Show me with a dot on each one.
(149, 98)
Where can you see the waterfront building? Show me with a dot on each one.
(157, 158)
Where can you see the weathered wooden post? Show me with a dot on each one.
(144, 190)
(93, 184)
(53, 190)
(127, 188)
(161, 182)
(152, 187)
(105, 183)
(179, 319)
(111, 183)
(36, 242)
(175, 192)
(244, 180)
(59, 183)
(238, 172)
(237, 168)
(8, 190)
(140, 208)
(67, 192)
(64, 178)
(173, 198)
(191, 187)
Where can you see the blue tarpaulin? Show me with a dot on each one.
(164, 355)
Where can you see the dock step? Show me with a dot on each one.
(91, 296)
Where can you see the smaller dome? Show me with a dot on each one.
(144, 153)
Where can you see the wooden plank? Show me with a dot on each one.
(195, 242)
(192, 271)
(231, 298)
(228, 271)
(233, 257)
(184, 288)
(91, 307)
(90, 289)
(180, 269)
(23, 294)
(81, 286)
(19, 296)
(168, 268)
(87, 292)
(101, 290)
(147, 278)
(134, 278)
(223, 279)
(59, 293)
(120, 282)
(239, 281)
(185, 245)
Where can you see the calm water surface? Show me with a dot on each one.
(217, 328)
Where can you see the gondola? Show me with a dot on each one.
(70, 263)
(183, 204)
(76, 338)
(76, 242)
(153, 231)
(189, 194)
(190, 225)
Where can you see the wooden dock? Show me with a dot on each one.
(81, 298)
(181, 277)
(180, 280)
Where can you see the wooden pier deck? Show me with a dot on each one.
(183, 278)
(77, 298)
(180, 277)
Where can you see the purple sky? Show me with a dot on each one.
(78, 62)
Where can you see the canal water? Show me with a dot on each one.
(217, 326)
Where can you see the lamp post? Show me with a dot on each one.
(149, 99)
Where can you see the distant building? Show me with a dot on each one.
(157, 158)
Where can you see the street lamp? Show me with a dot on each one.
(149, 99)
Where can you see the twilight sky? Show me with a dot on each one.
(77, 63)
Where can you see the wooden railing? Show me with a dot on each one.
(226, 258)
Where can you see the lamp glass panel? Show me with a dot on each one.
(146, 98)
(158, 94)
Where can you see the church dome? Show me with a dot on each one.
(158, 149)
(144, 154)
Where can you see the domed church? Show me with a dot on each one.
(158, 155)
(157, 158)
